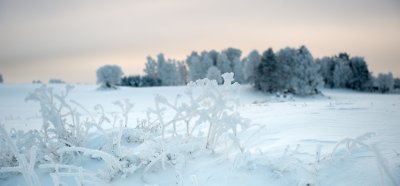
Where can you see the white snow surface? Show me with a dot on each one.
(297, 141)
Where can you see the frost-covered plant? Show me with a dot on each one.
(207, 104)
(353, 143)
(63, 125)
(26, 165)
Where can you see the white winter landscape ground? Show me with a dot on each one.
(340, 138)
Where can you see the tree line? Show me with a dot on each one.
(289, 70)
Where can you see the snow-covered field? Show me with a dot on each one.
(341, 138)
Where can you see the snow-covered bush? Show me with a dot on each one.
(109, 76)
(361, 79)
(207, 104)
(385, 82)
(36, 82)
(140, 81)
(56, 81)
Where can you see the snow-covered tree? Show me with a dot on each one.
(327, 65)
(304, 79)
(161, 65)
(361, 78)
(205, 63)
(214, 74)
(150, 68)
(267, 77)
(385, 82)
(109, 76)
(199, 64)
(396, 83)
(193, 62)
(342, 73)
(232, 53)
(238, 70)
(229, 61)
(182, 73)
(169, 74)
(223, 63)
(250, 66)
(214, 56)
(167, 71)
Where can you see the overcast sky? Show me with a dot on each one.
(71, 39)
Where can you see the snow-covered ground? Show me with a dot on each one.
(341, 138)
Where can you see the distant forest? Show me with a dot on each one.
(289, 70)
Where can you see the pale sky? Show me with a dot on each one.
(70, 39)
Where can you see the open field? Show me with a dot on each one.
(339, 138)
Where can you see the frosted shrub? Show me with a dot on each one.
(209, 109)
(56, 81)
(109, 76)
(63, 126)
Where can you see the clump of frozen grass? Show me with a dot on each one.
(207, 109)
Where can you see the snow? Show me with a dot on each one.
(340, 138)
